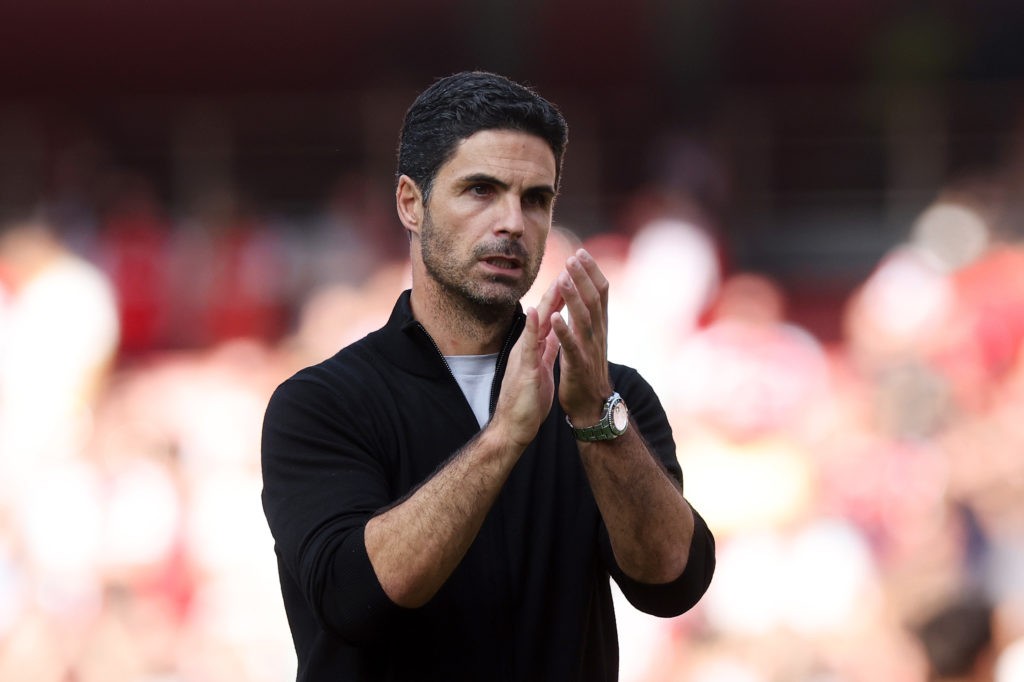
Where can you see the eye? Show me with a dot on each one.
(481, 190)
(537, 199)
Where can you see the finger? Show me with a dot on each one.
(596, 275)
(529, 338)
(566, 337)
(551, 346)
(592, 286)
(580, 316)
(550, 302)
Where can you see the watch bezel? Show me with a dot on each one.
(618, 416)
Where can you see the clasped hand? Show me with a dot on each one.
(528, 387)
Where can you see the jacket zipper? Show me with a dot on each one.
(439, 353)
(499, 366)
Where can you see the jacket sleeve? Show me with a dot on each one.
(680, 595)
(324, 477)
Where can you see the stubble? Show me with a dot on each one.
(486, 300)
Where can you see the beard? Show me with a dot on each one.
(484, 297)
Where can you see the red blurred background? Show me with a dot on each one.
(810, 213)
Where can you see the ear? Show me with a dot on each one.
(409, 203)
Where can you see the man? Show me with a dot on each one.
(435, 516)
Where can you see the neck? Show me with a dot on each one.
(460, 327)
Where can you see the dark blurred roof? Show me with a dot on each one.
(68, 47)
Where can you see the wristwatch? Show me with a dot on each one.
(614, 421)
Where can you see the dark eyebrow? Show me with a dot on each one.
(484, 178)
(546, 191)
(491, 180)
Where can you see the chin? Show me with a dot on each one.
(497, 294)
(496, 299)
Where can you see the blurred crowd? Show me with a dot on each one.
(865, 492)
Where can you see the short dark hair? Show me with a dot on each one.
(457, 106)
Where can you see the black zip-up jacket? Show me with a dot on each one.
(347, 438)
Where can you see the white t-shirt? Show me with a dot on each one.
(475, 374)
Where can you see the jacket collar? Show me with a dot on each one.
(406, 343)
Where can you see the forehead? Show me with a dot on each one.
(512, 156)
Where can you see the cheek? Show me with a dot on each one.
(465, 224)
(540, 229)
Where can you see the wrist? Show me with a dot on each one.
(612, 422)
(499, 435)
(589, 409)
(586, 417)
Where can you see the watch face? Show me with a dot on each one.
(620, 416)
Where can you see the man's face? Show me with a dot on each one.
(488, 216)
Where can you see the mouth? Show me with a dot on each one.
(503, 262)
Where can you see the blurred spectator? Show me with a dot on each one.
(337, 314)
(899, 310)
(749, 370)
(669, 274)
(58, 338)
(230, 274)
(987, 322)
(133, 249)
(353, 234)
(743, 388)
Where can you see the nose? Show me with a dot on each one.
(510, 222)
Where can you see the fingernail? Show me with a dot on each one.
(564, 280)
